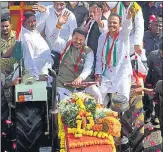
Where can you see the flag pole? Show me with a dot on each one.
(18, 35)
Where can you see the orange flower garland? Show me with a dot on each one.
(90, 121)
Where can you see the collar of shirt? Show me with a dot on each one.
(150, 35)
(30, 32)
(59, 14)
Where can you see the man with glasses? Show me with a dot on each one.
(153, 36)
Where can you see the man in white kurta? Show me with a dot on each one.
(49, 24)
(137, 33)
(36, 52)
(115, 77)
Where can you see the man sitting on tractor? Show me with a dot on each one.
(76, 61)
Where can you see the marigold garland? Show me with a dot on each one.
(90, 119)
(61, 134)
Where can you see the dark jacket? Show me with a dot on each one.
(159, 91)
(151, 43)
(80, 12)
(155, 65)
(93, 36)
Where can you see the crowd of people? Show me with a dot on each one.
(92, 42)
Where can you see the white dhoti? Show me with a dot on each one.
(92, 90)
(121, 87)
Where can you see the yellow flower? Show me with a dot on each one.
(95, 133)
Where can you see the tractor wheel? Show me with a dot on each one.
(4, 113)
(4, 129)
(30, 118)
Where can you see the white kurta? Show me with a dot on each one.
(50, 24)
(136, 36)
(36, 53)
(137, 33)
(119, 77)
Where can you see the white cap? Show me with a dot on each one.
(111, 4)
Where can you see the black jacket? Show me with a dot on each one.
(94, 36)
(155, 65)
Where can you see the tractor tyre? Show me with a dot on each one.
(30, 118)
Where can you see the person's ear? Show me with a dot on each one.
(11, 25)
(149, 26)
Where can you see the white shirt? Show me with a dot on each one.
(50, 25)
(60, 44)
(123, 68)
(36, 53)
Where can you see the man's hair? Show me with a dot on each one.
(66, 2)
(28, 14)
(92, 4)
(115, 14)
(161, 46)
(80, 31)
(5, 17)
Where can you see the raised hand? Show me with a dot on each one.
(63, 18)
(138, 49)
(38, 7)
(98, 14)
(131, 12)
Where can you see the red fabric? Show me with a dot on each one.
(79, 59)
(20, 21)
(137, 76)
(64, 51)
(152, 18)
(111, 49)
